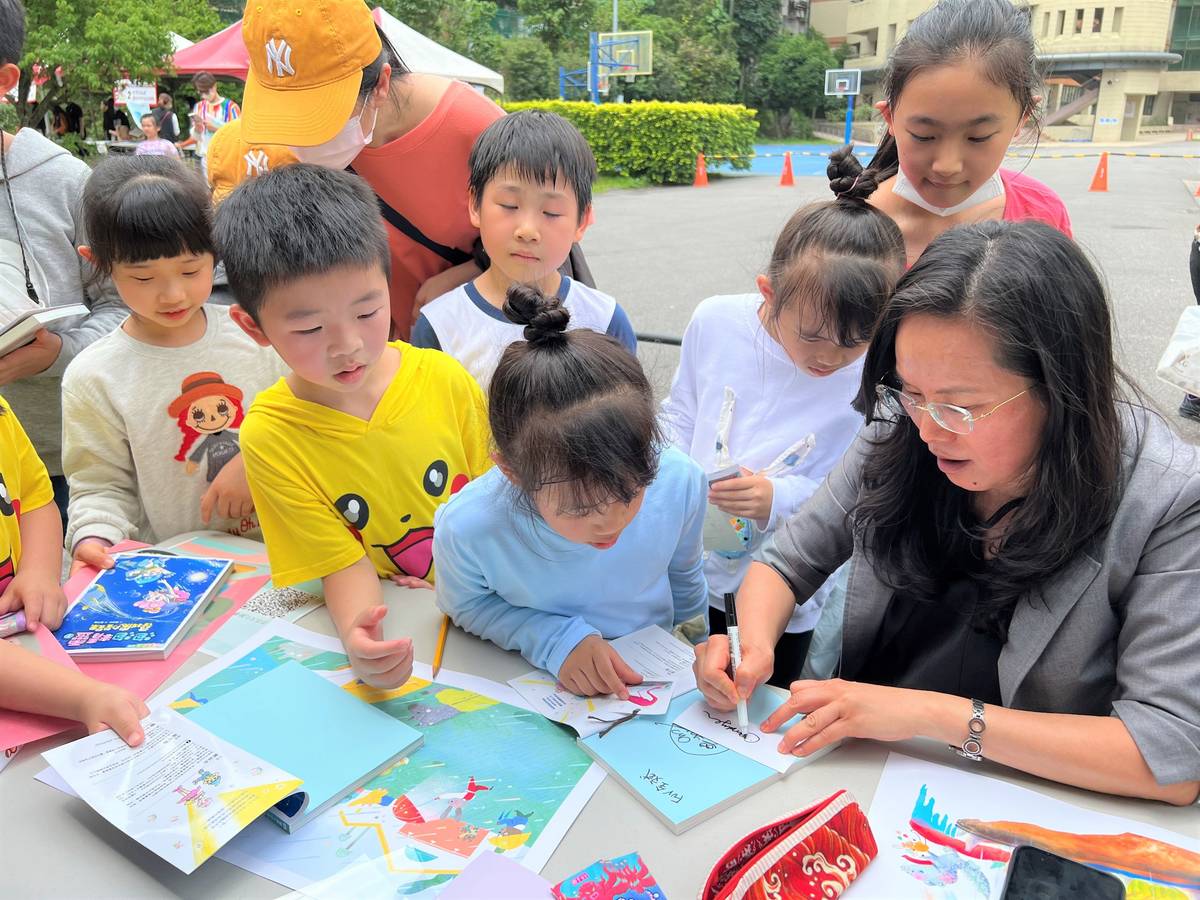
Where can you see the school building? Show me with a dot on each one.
(1113, 70)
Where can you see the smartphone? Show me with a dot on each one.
(1035, 874)
(723, 474)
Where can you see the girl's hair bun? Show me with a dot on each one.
(848, 179)
(545, 318)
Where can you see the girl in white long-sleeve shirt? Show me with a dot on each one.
(151, 411)
(765, 382)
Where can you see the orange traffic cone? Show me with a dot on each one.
(1100, 179)
(786, 179)
(701, 179)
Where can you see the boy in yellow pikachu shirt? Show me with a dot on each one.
(349, 456)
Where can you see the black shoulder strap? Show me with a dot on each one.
(452, 255)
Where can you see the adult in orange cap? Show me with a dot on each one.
(325, 81)
(232, 159)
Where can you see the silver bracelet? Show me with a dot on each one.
(972, 747)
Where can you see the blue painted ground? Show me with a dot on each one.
(805, 159)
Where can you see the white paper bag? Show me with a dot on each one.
(1180, 363)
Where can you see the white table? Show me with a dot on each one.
(52, 845)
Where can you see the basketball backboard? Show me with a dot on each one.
(627, 53)
(843, 82)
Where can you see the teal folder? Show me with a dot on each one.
(305, 725)
(682, 777)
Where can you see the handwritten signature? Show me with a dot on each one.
(748, 736)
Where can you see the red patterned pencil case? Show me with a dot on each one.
(813, 854)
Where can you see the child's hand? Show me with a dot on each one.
(40, 596)
(379, 663)
(229, 494)
(92, 551)
(749, 496)
(108, 706)
(594, 668)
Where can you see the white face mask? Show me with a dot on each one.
(989, 190)
(341, 149)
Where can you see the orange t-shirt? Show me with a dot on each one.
(423, 175)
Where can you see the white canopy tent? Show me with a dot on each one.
(422, 54)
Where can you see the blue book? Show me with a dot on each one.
(142, 607)
(681, 777)
(308, 726)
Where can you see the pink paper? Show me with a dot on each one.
(497, 878)
(17, 728)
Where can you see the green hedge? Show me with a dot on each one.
(658, 141)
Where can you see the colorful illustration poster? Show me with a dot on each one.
(623, 878)
(492, 777)
(945, 834)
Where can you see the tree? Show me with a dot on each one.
(756, 23)
(465, 26)
(95, 43)
(791, 75)
(560, 23)
(529, 70)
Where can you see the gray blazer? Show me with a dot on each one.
(1115, 632)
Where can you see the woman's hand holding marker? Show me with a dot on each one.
(712, 671)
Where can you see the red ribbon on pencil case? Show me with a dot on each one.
(813, 854)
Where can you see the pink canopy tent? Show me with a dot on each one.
(221, 54)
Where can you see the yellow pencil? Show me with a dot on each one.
(441, 645)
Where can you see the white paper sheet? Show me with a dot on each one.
(183, 793)
(544, 694)
(658, 655)
(756, 744)
(925, 852)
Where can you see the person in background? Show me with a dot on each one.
(116, 122)
(42, 183)
(165, 119)
(210, 113)
(153, 145)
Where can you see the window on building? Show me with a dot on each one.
(891, 36)
(1079, 21)
(1062, 21)
(1098, 20)
(1118, 15)
(1148, 105)
(1045, 24)
(1185, 35)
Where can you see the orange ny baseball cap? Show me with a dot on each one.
(306, 62)
(231, 160)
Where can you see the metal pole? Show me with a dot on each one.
(849, 119)
(594, 66)
(615, 28)
(562, 83)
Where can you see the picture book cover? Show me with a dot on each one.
(302, 723)
(683, 777)
(140, 608)
(621, 878)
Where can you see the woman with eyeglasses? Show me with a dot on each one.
(1025, 538)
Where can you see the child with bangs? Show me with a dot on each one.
(765, 381)
(152, 411)
(588, 528)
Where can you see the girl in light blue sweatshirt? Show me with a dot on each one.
(588, 528)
